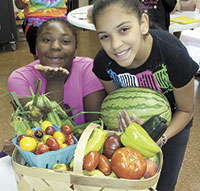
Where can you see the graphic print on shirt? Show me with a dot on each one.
(157, 81)
(148, 4)
(50, 3)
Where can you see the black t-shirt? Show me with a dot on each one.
(169, 65)
(159, 12)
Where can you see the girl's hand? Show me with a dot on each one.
(50, 72)
(126, 120)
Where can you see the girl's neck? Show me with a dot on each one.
(144, 52)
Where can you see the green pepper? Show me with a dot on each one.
(137, 138)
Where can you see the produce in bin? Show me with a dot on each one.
(45, 153)
(133, 154)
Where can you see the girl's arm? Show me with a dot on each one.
(185, 105)
(92, 102)
(55, 78)
(109, 86)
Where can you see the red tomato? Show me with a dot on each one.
(70, 136)
(20, 137)
(52, 143)
(128, 163)
(70, 141)
(104, 165)
(66, 129)
(91, 160)
(43, 148)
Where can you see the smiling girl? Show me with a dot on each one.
(133, 55)
(68, 78)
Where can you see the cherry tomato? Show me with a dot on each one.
(29, 132)
(43, 148)
(59, 135)
(20, 137)
(128, 163)
(70, 141)
(52, 143)
(28, 144)
(38, 134)
(66, 129)
(91, 160)
(50, 130)
(45, 124)
(70, 136)
(45, 137)
(104, 165)
(63, 145)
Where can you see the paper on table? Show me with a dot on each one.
(7, 175)
(183, 20)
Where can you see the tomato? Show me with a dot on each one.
(43, 148)
(38, 134)
(20, 137)
(63, 145)
(104, 165)
(45, 137)
(28, 144)
(60, 167)
(29, 132)
(70, 141)
(50, 130)
(70, 136)
(111, 144)
(59, 135)
(45, 124)
(66, 129)
(91, 160)
(52, 143)
(128, 163)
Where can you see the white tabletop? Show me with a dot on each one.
(78, 17)
(181, 27)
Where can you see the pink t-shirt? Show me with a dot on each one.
(81, 82)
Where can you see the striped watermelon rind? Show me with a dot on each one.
(142, 102)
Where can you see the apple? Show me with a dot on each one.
(151, 170)
(49, 130)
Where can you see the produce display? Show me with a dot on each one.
(45, 139)
(132, 154)
(46, 145)
(142, 102)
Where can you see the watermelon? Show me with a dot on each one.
(142, 102)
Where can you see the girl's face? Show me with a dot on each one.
(121, 35)
(56, 46)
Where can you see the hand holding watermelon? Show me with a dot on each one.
(126, 120)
